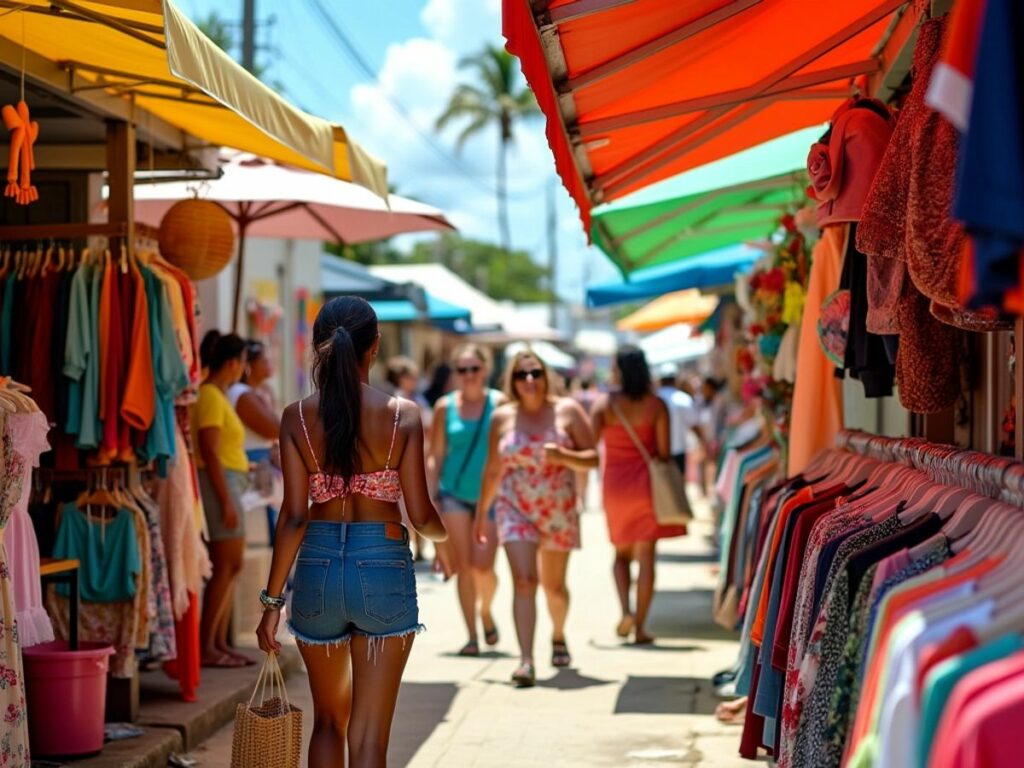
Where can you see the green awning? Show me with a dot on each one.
(723, 203)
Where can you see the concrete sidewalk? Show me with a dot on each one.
(618, 705)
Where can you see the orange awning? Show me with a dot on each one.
(689, 306)
(636, 91)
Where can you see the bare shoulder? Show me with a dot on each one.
(504, 412)
(409, 417)
(290, 416)
(568, 407)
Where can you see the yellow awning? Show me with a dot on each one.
(679, 307)
(150, 51)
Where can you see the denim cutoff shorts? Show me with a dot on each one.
(353, 579)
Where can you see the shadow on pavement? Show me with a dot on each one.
(666, 696)
(660, 644)
(687, 557)
(421, 708)
(685, 614)
(483, 655)
(571, 680)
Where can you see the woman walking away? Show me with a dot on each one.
(458, 452)
(254, 404)
(633, 528)
(349, 453)
(223, 477)
(537, 441)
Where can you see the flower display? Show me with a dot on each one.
(777, 290)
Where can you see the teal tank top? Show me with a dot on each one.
(459, 438)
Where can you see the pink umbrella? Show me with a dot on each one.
(269, 200)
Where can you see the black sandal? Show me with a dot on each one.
(560, 654)
(470, 649)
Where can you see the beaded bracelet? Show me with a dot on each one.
(271, 603)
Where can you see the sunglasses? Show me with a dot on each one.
(533, 373)
(462, 371)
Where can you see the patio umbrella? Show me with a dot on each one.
(636, 92)
(708, 270)
(688, 307)
(269, 200)
(729, 201)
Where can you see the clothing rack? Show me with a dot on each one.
(997, 477)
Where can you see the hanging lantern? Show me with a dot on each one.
(196, 236)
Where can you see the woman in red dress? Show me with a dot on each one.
(632, 526)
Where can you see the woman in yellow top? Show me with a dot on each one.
(223, 476)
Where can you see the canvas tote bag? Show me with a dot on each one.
(668, 486)
(268, 734)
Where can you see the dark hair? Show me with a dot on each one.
(224, 349)
(254, 349)
(344, 331)
(206, 347)
(634, 375)
(399, 366)
(439, 383)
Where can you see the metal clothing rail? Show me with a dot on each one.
(997, 477)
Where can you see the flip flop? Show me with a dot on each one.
(731, 711)
(560, 654)
(525, 676)
(470, 649)
(625, 625)
(225, 661)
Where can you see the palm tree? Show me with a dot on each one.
(497, 98)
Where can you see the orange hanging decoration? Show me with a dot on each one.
(24, 132)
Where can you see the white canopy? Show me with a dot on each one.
(676, 344)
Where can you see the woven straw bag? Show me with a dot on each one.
(267, 735)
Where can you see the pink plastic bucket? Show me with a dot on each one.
(66, 693)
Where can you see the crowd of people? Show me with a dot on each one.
(369, 474)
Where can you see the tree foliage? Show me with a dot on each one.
(502, 275)
(498, 98)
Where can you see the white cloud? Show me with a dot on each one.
(420, 74)
(462, 25)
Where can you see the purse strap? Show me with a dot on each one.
(630, 431)
(269, 677)
(476, 438)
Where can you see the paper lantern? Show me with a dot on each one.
(196, 236)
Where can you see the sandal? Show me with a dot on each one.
(525, 676)
(470, 649)
(560, 654)
(625, 626)
(491, 635)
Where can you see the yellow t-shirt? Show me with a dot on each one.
(212, 409)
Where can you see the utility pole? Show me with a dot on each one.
(249, 35)
(552, 232)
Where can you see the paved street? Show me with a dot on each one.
(618, 706)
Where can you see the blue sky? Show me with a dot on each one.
(413, 47)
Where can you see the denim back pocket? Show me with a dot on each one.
(385, 594)
(309, 585)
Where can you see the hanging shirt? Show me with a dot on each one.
(108, 551)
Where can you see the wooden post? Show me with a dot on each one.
(121, 177)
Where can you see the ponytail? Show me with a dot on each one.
(344, 331)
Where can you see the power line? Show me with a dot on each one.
(357, 57)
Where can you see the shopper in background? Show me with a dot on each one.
(632, 526)
(403, 376)
(440, 383)
(537, 442)
(223, 478)
(254, 402)
(349, 453)
(684, 419)
(458, 452)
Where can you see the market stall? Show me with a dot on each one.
(868, 577)
(103, 328)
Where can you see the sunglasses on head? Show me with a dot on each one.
(533, 373)
(463, 370)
